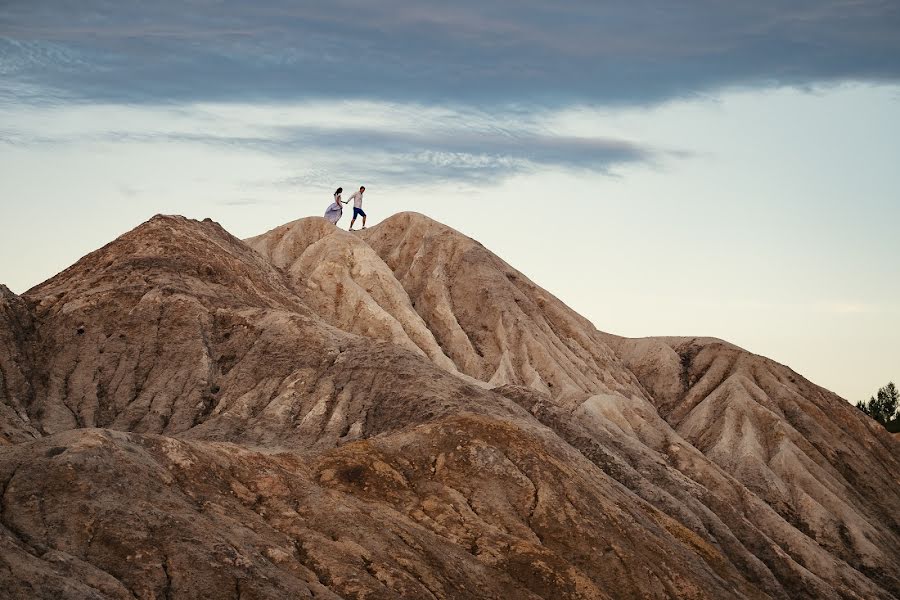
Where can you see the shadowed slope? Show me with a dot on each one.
(467, 507)
(17, 337)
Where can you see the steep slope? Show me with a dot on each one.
(816, 460)
(16, 363)
(423, 285)
(347, 284)
(630, 442)
(498, 326)
(177, 327)
(492, 321)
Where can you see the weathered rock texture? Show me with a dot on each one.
(400, 414)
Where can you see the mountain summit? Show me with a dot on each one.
(398, 413)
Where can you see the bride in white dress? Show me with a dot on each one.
(335, 210)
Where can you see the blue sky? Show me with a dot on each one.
(708, 168)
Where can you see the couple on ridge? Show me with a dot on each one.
(333, 212)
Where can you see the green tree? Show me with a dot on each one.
(883, 407)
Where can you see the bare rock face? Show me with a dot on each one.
(421, 284)
(17, 336)
(810, 456)
(309, 414)
(348, 284)
(491, 320)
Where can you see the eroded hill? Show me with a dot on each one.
(400, 414)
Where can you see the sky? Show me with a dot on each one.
(706, 168)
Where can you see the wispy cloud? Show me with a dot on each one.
(411, 143)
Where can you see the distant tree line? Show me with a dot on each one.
(883, 407)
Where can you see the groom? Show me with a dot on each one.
(357, 198)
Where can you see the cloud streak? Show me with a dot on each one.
(410, 144)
